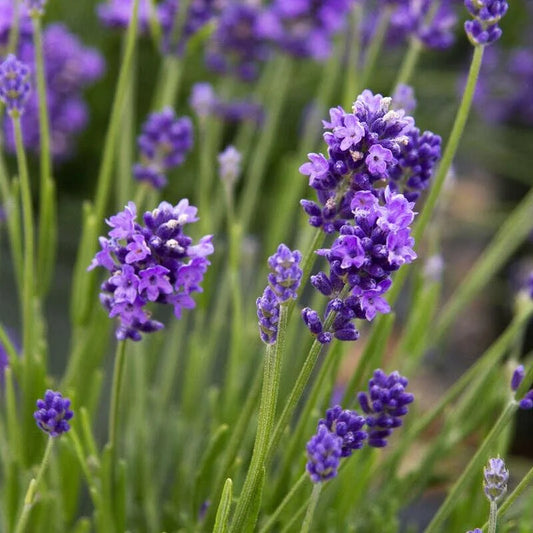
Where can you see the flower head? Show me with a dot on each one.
(164, 143)
(154, 262)
(14, 85)
(268, 315)
(35, 7)
(348, 426)
(53, 413)
(484, 29)
(229, 165)
(286, 274)
(495, 478)
(384, 404)
(324, 451)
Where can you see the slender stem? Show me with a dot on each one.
(353, 53)
(118, 373)
(265, 424)
(493, 517)
(47, 229)
(12, 43)
(267, 526)
(409, 62)
(374, 48)
(34, 484)
(474, 465)
(315, 495)
(106, 167)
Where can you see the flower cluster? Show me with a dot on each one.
(163, 143)
(384, 405)
(433, 27)
(361, 261)
(238, 44)
(14, 85)
(342, 431)
(35, 7)
(305, 28)
(205, 102)
(519, 374)
(372, 146)
(70, 67)
(156, 262)
(495, 478)
(229, 165)
(284, 280)
(53, 413)
(484, 29)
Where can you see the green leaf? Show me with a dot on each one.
(221, 521)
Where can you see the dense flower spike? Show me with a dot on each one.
(156, 262)
(229, 165)
(53, 413)
(268, 315)
(305, 28)
(324, 451)
(495, 478)
(384, 404)
(286, 274)
(518, 377)
(69, 69)
(484, 29)
(164, 143)
(361, 261)
(373, 146)
(238, 44)
(348, 426)
(14, 85)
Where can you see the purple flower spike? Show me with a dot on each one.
(14, 85)
(484, 29)
(268, 314)
(286, 273)
(384, 404)
(324, 451)
(348, 426)
(155, 262)
(495, 479)
(53, 413)
(229, 162)
(164, 143)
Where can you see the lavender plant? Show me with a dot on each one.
(233, 392)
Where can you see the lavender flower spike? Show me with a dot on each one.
(495, 479)
(286, 273)
(14, 85)
(35, 7)
(385, 404)
(268, 315)
(324, 451)
(484, 29)
(518, 377)
(229, 168)
(53, 413)
(348, 426)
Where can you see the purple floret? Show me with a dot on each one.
(53, 413)
(348, 425)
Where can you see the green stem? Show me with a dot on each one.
(374, 49)
(265, 424)
(458, 490)
(47, 230)
(493, 517)
(315, 495)
(27, 212)
(34, 484)
(268, 525)
(118, 374)
(354, 51)
(106, 167)
(409, 62)
(172, 66)
(12, 43)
